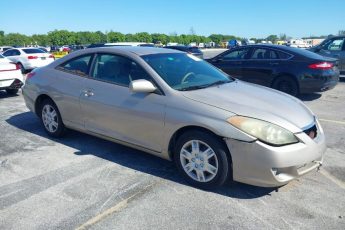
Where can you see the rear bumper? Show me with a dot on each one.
(11, 80)
(259, 164)
(319, 83)
(37, 63)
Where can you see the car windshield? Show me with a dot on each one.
(185, 71)
(33, 51)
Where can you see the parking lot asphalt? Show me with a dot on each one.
(83, 182)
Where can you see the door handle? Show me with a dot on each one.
(274, 63)
(88, 93)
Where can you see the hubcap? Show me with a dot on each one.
(199, 161)
(50, 118)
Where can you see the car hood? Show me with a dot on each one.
(255, 101)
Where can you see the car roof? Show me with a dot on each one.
(140, 51)
(273, 46)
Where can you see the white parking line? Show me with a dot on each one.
(333, 121)
(338, 182)
(116, 208)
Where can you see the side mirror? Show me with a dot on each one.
(142, 86)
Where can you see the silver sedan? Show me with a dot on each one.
(178, 107)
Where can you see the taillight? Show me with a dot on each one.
(321, 66)
(32, 57)
(30, 75)
(52, 56)
(17, 66)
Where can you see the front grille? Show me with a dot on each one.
(311, 132)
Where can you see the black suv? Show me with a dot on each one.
(333, 47)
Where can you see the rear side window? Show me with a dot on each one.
(261, 53)
(78, 66)
(118, 70)
(32, 51)
(236, 54)
(283, 55)
(10, 53)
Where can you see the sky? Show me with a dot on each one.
(250, 18)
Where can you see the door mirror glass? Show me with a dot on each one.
(142, 86)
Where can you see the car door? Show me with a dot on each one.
(334, 48)
(68, 86)
(261, 66)
(231, 61)
(110, 109)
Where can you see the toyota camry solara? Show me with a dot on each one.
(178, 107)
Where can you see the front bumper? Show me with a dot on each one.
(259, 164)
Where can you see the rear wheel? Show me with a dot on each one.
(12, 91)
(202, 159)
(287, 85)
(51, 119)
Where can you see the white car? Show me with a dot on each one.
(29, 58)
(11, 78)
(4, 48)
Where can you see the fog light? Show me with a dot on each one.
(275, 171)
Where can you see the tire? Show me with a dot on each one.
(22, 69)
(287, 85)
(194, 165)
(11, 91)
(51, 119)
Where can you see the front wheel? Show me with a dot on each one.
(51, 119)
(202, 159)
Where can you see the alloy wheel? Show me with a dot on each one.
(199, 161)
(50, 118)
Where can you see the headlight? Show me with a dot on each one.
(264, 131)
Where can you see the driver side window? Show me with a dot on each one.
(118, 70)
(334, 45)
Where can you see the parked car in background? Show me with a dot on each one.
(214, 127)
(290, 70)
(54, 49)
(76, 47)
(298, 43)
(11, 78)
(4, 48)
(65, 49)
(188, 49)
(333, 47)
(29, 58)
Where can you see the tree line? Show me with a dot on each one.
(65, 37)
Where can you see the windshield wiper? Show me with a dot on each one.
(194, 87)
(217, 83)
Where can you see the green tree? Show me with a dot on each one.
(116, 37)
(143, 37)
(61, 37)
(16, 39)
(272, 38)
